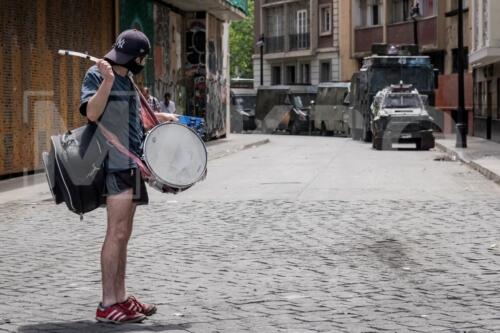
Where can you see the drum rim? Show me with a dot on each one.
(158, 178)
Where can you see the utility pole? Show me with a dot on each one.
(260, 44)
(461, 112)
(415, 13)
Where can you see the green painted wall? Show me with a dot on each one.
(138, 14)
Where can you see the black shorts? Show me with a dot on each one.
(120, 181)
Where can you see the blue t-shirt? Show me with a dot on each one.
(121, 116)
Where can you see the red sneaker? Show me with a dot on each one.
(118, 314)
(133, 304)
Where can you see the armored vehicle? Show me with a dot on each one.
(331, 112)
(399, 115)
(242, 110)
(389, 65)
(284, 108)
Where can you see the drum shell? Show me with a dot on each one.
(181, 145)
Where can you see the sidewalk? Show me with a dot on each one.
(481, 155)
(34, 187)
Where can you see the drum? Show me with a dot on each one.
(175, 155)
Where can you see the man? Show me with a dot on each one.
(152, 101)
(108, 97)
(168, 106)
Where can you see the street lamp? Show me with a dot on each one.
(461, 112)
(415, 14)
(260, 44)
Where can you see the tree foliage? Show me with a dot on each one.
(241, 45)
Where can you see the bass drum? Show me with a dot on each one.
(176, 156)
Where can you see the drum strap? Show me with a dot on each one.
(148, 115)
(146, 174)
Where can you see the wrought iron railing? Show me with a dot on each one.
(274, 44)
(299, 41)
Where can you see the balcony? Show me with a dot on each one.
(364, 37)
(295, 42)
(274, 44)
(226, 10)
(402, 32)
(486, 33)
(299, 42)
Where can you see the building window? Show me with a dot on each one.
(326, 20)
(497, 107)
(375, 15)
(290, 74)
(305, 73)
(302, 26)
(401, 10)
(276, 75)
(480, 99)
(465, 57)
(298, 25)
(325, 71)
(274, 30)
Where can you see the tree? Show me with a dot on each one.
(241, 45)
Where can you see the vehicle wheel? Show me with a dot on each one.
(425, 144)
(322, 130)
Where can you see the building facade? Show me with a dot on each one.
(394, 22)
(301, 42)
(40, 90)
(485, 61)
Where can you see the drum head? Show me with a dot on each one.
(175, 154)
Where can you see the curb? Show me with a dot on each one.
(488, 174)
(233, 150)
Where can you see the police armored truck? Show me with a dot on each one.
(399, 115)
(388, 65)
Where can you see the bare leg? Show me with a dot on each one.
(114, 250)
(120, 289)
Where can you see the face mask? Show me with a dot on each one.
(134, 67)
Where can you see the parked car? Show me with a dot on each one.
(284, 108)
(242, 110)
(399, 115)
(331, 110)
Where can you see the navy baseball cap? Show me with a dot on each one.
(129, 44)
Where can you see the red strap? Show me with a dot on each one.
(118, 145)
(149, 115)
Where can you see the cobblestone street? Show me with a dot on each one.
(299, 235)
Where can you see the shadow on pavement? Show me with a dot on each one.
(86, 326)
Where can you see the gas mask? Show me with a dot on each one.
(134, 67)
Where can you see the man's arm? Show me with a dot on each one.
(97, 103)
(163, 117)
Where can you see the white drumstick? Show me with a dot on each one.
(77, 54)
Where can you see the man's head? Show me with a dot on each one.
(130, 50)
(145, 92)
(168, 96)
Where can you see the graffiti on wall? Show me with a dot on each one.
(196, 69)
(161, 55)
(139, 15)
(216, 101)
(169, 75)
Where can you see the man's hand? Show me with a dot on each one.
(106, 70)
(164, 117)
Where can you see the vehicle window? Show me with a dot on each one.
(402, 101)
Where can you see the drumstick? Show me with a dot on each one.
(78, 54)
